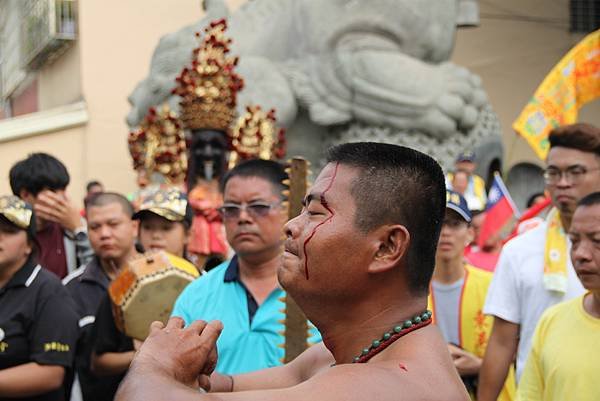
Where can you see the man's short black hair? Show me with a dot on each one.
(590, 200)
(398, 185)
(37, 172)
(91, 184)
(580, 136)
(268, 170)
(106, 198)
(532, 198)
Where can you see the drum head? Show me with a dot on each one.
(146, 290)
(152, 300)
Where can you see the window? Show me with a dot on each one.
(585, 15)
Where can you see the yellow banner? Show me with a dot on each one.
(574, 81)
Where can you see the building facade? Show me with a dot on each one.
(67, 67)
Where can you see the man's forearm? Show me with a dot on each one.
(284, 376)
(144, 385)
(111, 363)
(272, 378)
(499, 356)
(492, 376)
(220, 383)
(30, 379)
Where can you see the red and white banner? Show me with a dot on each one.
(499, 211)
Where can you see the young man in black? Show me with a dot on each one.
(112, 235)
(41, 180)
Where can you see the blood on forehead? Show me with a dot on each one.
(331, 214)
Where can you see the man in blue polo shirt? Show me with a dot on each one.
(244, 293)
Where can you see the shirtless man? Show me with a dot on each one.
(358, 261)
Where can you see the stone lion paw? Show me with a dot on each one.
(408, 93)
(462, 95)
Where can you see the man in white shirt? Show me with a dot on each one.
(534, 270)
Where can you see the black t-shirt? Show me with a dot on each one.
(38, 324)
(106, 337)
(88, 287)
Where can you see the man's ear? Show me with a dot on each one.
(392, 245)
(471, 236)
(27, 196)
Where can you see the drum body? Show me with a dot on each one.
(146, 290)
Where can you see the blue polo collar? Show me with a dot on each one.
(232, 274)
(233, 271)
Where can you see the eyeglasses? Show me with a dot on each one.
(255, 209)
(573, 174)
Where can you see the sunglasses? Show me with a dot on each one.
(254, 209)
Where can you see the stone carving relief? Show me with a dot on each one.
(344, 70)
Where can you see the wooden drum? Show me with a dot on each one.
(146, 289)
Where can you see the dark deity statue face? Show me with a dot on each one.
(208, 155)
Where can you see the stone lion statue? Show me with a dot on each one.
(344, 70)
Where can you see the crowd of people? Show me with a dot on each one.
(383, 260)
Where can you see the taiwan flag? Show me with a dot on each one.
(499, 211)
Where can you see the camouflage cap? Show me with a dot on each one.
(170, 203)
(17, 211)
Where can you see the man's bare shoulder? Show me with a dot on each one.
(379, 381)
(312, 361)
(393, 380)
(420, 368)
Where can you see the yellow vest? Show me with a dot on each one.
(475, 327)
(478, 186)
(183, 264)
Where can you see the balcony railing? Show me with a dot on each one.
(11, 72)
(49, 28)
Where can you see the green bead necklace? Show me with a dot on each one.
(417, 322)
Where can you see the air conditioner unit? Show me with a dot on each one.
(49, 29)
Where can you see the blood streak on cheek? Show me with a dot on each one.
(331, 214)
(403, 367)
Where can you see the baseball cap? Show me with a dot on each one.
(457, 202)
(169, 203)
(18, 212)
(466, 156)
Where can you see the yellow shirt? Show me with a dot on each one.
(183, 264)
(475, 194)
(475, 327)
(564, 362)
